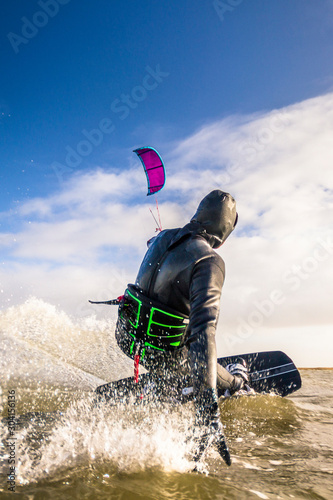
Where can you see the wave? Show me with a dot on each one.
(41, 343)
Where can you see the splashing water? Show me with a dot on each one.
(41, 343)
(127, 440)
(54, 362)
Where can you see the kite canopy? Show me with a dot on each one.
(154, 168)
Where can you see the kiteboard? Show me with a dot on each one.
(269, 372)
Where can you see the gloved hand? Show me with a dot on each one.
(209, 426)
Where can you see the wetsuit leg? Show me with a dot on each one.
(177, 364)
(224, 379)
(227, 381)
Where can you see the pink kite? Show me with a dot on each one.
(154, 168)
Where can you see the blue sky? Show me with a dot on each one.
(263, 55)
(234, 94)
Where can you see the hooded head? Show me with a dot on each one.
(217, 214)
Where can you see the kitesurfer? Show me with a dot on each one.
(168, 318)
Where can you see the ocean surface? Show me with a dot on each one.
(56, 445)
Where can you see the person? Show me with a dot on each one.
(168, 318)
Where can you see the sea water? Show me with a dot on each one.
(55, 444)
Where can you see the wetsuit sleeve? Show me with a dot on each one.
(205, 292)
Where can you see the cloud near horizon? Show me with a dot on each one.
(90, 235)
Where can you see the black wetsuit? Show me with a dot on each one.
(182, 270)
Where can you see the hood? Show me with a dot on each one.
(217, 214)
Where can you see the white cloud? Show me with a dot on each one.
(277, 164)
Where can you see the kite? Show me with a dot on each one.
(154, 168)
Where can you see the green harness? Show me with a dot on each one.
(150, 323)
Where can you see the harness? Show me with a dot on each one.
(150, 323)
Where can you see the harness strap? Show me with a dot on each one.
(137, 356)
(136, 368)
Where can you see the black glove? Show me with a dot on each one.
(209, 426)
